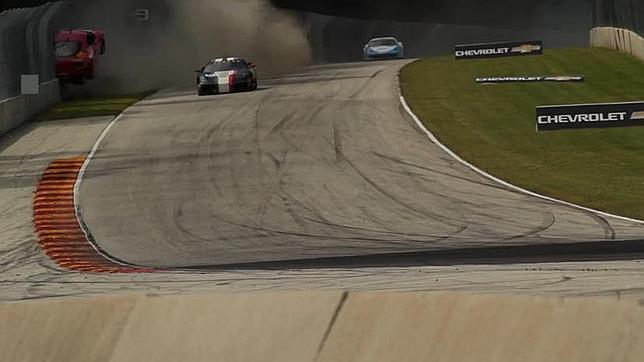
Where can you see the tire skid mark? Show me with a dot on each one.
(385, 231)
(404, 236)
(548, 221)
(409, 237)
(548, 218)
(59, 233)
(609, 232)
(308, 235)
(442, 173)
(337, 143)
(451, 222)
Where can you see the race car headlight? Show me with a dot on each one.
(207, 78)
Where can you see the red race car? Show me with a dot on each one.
(76, 54)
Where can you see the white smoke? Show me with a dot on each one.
(147, 55)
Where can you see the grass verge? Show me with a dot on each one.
(493, 126)
(90, 107)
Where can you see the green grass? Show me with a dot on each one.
(90, 107)
(493, 126)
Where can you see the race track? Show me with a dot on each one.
(314, 165)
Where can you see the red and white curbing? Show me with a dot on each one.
(60, 234)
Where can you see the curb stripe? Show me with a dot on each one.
(57, 226)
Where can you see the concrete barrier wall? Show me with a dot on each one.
(17, 110)
(619, 39)
(455, 327)
(26, 47)
(243, 327)
(331, 326)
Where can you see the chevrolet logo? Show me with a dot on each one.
(564, 78)
(526, 48)
(637, 116)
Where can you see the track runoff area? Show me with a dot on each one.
(558, 122)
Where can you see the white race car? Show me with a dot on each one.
(224, 75)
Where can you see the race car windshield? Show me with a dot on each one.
(67, 49)
(223, 66)
(382, 43)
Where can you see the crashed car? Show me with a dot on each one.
(77, 54)
(225, 75)
(383, 48)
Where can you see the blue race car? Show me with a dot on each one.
(383, 48)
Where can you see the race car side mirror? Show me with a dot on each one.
(197, 71)
(251, 65)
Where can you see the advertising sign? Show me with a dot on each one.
(590, 116)
(530, 79)
(495, 50)
(29, 84)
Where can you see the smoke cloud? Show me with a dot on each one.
(181, 35)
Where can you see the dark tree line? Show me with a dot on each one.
(623, 13)
(465, 12)
(628, 14)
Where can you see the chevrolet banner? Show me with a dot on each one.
(495, 50)
(529, 79)
(590, 116)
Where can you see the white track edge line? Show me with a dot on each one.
(77, 184)
(438, 143)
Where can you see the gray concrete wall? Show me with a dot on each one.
(26, 47)
(17, 110)
(620, 39)
(330, 326)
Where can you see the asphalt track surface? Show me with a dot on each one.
(316, 168)
(611, 269)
